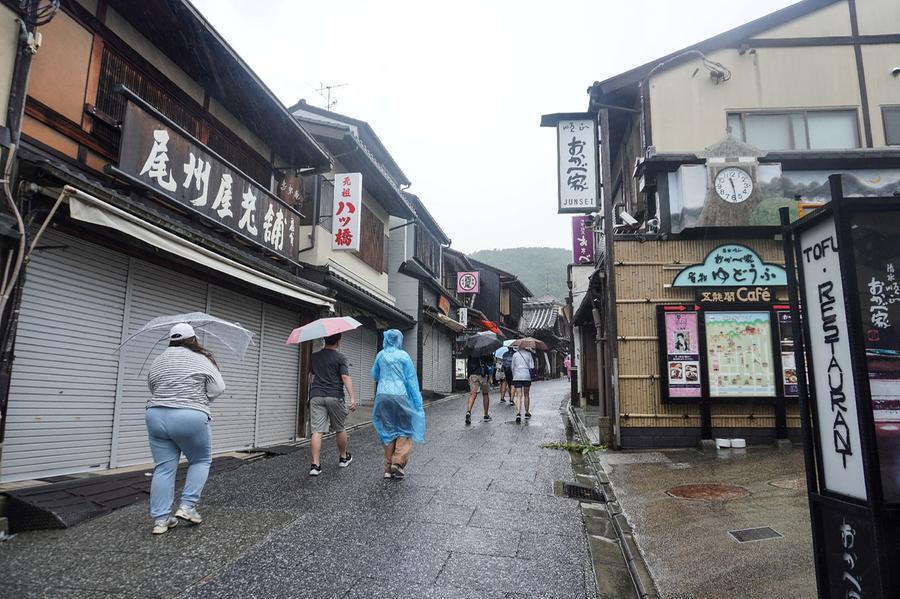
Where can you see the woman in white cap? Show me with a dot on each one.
(182, 381)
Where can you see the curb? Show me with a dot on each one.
(634, 560)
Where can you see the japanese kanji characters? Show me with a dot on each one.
(248, 217)
(346, 212)
(157, 164)
(197, 171)
(222, 203)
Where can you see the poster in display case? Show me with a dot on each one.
(740, 361)
(682, 354)
(786, 346)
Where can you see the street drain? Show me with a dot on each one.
(708, 492)
(581, 492)
(750, 535)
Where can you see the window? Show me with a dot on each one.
(428, 250)
(797, 130)
(891, 118)
(371, 240)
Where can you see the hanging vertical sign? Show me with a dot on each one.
(579, 180)
(582, 240)
(464, 317)
(831, 376)
(346, 211)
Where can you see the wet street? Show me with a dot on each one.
(475, 517)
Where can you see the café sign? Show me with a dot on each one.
(731, 265)
(741, 295)
(157, 154)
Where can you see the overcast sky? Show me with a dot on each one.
(455, 90)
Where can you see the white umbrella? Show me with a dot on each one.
(231, 334)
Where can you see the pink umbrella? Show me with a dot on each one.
(322, 327)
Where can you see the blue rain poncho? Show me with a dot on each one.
(398, 403)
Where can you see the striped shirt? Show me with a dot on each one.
(181, 378)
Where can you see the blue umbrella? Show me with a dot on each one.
(501, 352)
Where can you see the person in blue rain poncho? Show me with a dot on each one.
(398, 416)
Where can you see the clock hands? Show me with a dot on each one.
(733, 188)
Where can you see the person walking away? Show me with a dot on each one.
(397, 416)
(567, 364)
(183, 380)
(327, 406)
(522, 366)
(507, 372)
(501, 377)
(477, 367)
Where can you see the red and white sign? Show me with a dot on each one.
(467, 282)
(346, 211)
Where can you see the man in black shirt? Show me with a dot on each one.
(327, 408)
(478, 369)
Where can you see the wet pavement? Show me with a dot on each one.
(685, 542)
(476, 517)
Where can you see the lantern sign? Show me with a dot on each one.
(346, 212)
(582, 240)
(467, 282)
(579, 181)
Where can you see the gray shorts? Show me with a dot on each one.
(327, 410)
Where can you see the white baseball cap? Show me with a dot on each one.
(182, 330)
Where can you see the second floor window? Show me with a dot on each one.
(797, 130)
(371, 240)
(891, 117)
(428, 250)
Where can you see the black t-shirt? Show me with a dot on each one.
(478, 365)
(327, 366)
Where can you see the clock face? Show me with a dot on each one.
(734, 185)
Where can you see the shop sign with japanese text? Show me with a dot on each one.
(579, 181)
(346, 211)
(740, 295)
(467, 282)
(582, 240)
(831, 371)
(165, 159)
(731, 265)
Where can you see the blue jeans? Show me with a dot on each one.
(173, 431)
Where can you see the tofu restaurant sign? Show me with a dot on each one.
(157, 154)
(579, 180)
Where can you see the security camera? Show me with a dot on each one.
(653, 224)
(895, 71)
(629, 220)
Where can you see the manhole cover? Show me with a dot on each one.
(750, 535)
(793, 484)
(583, 492)
(709, 492)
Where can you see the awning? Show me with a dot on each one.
(87, 208)
(445, 321)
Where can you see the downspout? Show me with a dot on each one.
(317, 194)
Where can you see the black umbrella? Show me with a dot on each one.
(480, 344)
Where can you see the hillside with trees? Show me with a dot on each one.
(542, 269)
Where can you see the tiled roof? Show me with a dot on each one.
(540, 315)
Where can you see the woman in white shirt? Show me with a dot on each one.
(522, 365)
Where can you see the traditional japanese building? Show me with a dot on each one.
(361, 278)
(682, 332)
(416, 279)
(542, 319)
(147, 187)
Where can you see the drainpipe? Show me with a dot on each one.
(317, 194)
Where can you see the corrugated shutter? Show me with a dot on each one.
(62, 396)
(444, 365)
(369, 350)
(153, 291)
(234, 412)
(280, 371)
(351, 347)
(429, 346)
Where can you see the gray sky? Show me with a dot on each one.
(456, 90)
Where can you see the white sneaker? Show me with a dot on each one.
(162, 525)
(189, 513)
(387, 475)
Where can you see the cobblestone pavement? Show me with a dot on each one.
(475, 517)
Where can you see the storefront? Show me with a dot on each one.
(717, 323)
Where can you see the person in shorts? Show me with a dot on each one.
(522, 367)
(327, 407)
(478, 369)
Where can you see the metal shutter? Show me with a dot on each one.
(234, 412)
(369, 350)
(351, 347)
(444, 364)
(429, 347)
(279, 375)
(153, 291)
(64, 376)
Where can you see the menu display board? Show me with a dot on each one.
(877, 253)
(788, 361)
(682, 354)
(739, 354)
